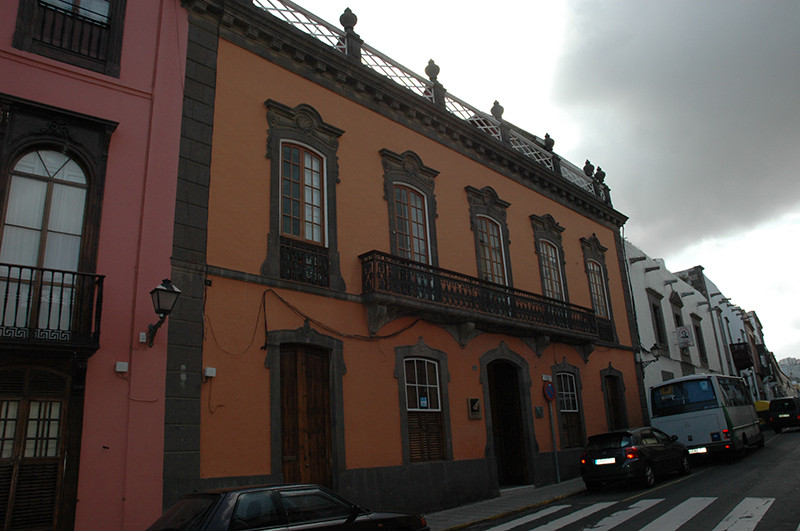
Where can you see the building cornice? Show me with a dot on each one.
(252, 28)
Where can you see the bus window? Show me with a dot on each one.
(735, 392)
(683, 397)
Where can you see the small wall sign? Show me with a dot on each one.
(474, 408)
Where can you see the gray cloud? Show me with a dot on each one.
(691, 107)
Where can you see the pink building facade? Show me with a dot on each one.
(91, 96)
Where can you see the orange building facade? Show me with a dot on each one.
(412, 306)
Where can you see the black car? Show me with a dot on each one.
(636, 454)
(277, 507)
(784, 413)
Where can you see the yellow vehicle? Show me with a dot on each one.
(762, 408)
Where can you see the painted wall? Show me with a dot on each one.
(237, 399)
(122, 443)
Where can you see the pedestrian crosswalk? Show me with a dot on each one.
(744, 517)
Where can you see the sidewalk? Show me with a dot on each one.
(510, 501)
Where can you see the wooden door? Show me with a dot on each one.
(305, 416)
(33, 407)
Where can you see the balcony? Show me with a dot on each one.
(394, 287)
(742, 356)
(49, 309)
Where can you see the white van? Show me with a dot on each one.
(708, 413)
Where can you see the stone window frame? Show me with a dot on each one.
(83, 139)
(486, 203)
(547, 229)
(657, 319)
(407, 169)
(701, 344)
(30, 11)
(422, 350)
(304, 126)
(575, 372)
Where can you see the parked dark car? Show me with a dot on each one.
(276, 507)
(784, 413)
(636, 455)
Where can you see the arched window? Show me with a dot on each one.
(41, 240)
(597, 287)
(44, 212)
(490, 251)
(411, 224)
(551, 271)
(302, 193)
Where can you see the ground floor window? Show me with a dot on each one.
(424, 410)
(569, 410)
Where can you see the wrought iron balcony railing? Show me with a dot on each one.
(84, 33)
(49, 308)
(303, 262)
(425, 289)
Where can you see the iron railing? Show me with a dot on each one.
(84, 33)
(50, 307)
(401, 279)
(518, 139)
(303, 262)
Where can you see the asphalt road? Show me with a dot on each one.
(760, 491)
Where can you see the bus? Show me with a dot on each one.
(709, 413)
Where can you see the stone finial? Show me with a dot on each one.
(548, 142)
(497, 110)
(600, 175)
(588, 169)
(348, 20)
(432, 70)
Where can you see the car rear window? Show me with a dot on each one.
(610, 441)
(782, 405)
(186, 514)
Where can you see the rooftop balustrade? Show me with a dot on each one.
(531, 146)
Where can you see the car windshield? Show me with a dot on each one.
(185, 515)
(609, 441)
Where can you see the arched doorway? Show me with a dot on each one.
(508, 431)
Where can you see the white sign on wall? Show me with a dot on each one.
(685, 338)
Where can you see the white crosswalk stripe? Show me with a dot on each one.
(676, 517)
(574, 517)
(529, 518)
(746, 515)
(621, 516)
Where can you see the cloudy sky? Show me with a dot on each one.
(691, 107)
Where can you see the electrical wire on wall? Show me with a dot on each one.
(325, 327)
(262, 313)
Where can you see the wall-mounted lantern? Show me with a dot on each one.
(165, 295)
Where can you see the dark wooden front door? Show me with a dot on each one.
(33, 410)
(305, 416)
(507, 429)
(616, 417)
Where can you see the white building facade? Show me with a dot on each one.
(686, 326)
